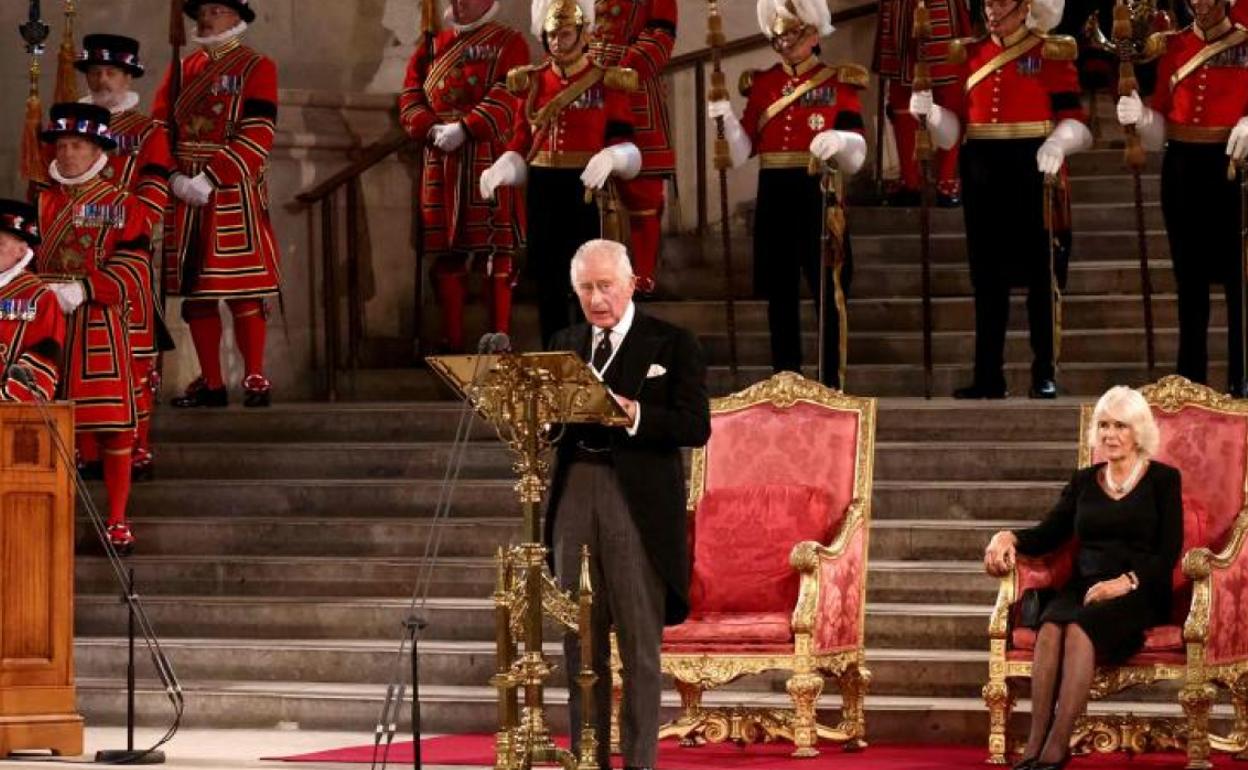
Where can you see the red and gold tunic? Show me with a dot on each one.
(1202, 83)
(896, 51)
(639, 35)
(227, 117)
(32, 334)
(141, 166)
(788, 106)
(1019, 88)
(466, 81)
(563, 120)
(95, 234)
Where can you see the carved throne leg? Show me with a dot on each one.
(1197, 700)
(854, 683)
(804, 689)
(617, 692)
(1239, 699)
(688, 726)
(999, 697)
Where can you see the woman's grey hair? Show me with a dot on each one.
(619, 251)
(1123, 403)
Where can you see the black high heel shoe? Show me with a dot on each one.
(1059, 765)
(1025, 764)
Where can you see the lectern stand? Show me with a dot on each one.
(37, 700)
(528, 398)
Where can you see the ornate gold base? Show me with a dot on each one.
(744, 726)
(1143, 735)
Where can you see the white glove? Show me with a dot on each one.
(193, 190)
(509, 170)
(69, 296)
(1237, 145)
(623, 160)
(826, 145)
(922, 104)
(1070, 136)
(738, 143)
(448, 137)
(1132, 112)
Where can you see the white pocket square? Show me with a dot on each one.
(655, 371)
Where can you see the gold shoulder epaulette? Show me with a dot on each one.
(746, 83)
(622, 79)
(1156, 45)
(1060, 48)
(854, 75)
(519, 78)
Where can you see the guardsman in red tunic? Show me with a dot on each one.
(95, 252)
(574, 130)
(220, 243)
(1020, 119)
(798, 111)
(32, 326)
(1199, 113)
(140, 165)
(896, 53)
(639, 35)
(455, 103)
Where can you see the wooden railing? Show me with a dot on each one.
(346, 183)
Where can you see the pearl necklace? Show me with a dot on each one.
(1120, 489)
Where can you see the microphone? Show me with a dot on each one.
(494, 342)
(22, 374)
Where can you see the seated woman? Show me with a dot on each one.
(1127, 514)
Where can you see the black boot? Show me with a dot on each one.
(257, 390)
(1044, 388)
(199, 394)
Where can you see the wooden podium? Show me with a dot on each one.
(38, 708)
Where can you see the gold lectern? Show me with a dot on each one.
(37, 702)
(528, 397)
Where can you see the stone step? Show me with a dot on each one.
(1113, 188)
(388, 500)
(1106, 160)
(905, 347)
(898, 418)
(1087, 380)
(1086, 218)
(936, 626)
(396, 576)
(357, 536)
(473, 709)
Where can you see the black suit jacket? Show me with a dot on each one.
(675, 413)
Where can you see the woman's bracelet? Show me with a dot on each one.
(1133, 580)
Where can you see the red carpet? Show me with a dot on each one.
(479, 750)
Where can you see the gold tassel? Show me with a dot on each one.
(32, 151)
(66, 75)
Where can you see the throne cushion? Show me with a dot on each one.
(1158, 639)
(742, 540)
(732, 632)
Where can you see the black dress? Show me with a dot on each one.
(1142, 532)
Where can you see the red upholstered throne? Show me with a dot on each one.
(1205, 435)
(780, 502)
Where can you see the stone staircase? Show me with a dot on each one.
(279, 548)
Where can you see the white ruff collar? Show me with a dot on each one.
(8, 275)
(85, 177)
(129, 100)
(448, 19)
(212, 41)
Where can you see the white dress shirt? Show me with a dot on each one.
(618, 333)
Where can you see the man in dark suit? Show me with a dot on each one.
(621, 491)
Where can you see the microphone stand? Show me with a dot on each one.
(137, 615)
(415, 623)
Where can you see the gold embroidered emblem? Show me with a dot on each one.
(816, 122)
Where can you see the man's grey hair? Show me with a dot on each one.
(601, 246)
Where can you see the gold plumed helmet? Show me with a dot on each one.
(779, 17)
(550, 15)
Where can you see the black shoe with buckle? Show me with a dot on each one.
(142, 465)
(198, 394)
(976, 391)
(91, 470)
(1045, 388)
(257, 390)
(948, 200)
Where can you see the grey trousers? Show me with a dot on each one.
(627, 593)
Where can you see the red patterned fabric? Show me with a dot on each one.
(1209, 449)
(742, 541)
(732, 631)
(1228, 617)
(804, 445)
(1195, 535)
(838, 622)
(1156, 640)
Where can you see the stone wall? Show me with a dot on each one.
(339, 65)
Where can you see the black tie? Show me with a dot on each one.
(602, 353)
